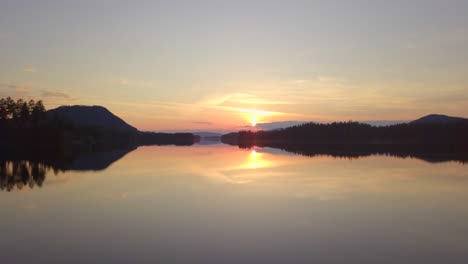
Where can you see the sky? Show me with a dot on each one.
(225, 65)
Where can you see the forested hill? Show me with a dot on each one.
(357, 133)
(100, 118)
(438, 119)
(27, 126)
(96, 116)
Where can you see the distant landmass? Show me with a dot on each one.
(429, 130)
(285, 124)
(438, 119)
(279, 125)
(28, 127)
(98, 117)
(207, 138)
(384, 122)
(207, 134)
(95, 116)
(429, 119)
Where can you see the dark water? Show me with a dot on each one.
(222, 204)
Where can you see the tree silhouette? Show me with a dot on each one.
(38, 110)
(24, 111)
(10, 107)
(20, 173)
(3, 109)
(17, 109)
(21, 110)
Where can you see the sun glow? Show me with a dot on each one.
(253, 121)
(254, 154)
(256, 116)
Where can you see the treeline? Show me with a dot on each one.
(355, 133)
(153, 138)
(23, 126)
(20, 109)
(26, 126)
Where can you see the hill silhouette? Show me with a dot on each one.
(95, 116)
(438, 119)
(27, 127)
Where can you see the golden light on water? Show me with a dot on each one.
(256, 161)
(254, 154)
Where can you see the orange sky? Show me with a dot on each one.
(220, 65)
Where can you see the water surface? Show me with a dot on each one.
(221, 204)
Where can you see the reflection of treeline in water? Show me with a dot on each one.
(27, 126)
(22, 173)
(431, 142)
(20, 168)
(356, 133)
(429, 153)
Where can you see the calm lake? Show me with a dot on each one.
(222, 204)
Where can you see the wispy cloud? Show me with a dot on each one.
(202, 123)
(245, 99)
(320, 99)
(18, 88)
(57, 94)
(14, 90)
(244, 103)
(29, 69)
(51, 97)
(29, 207)
(135, 83)
(249, 111)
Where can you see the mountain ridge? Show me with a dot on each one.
(96, 116)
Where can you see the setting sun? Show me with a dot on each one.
(255, 117)
(253, 122)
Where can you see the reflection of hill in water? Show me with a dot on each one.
(429, 153)
(96, 161)
(19, 171)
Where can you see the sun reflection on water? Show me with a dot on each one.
(256, 160)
